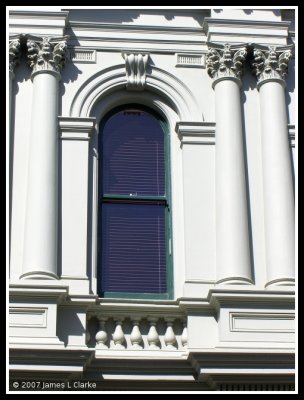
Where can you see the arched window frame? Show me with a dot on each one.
(168, 216)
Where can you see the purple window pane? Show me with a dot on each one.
(133, 155)
(133, 251)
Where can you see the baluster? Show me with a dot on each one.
(170, 338)
(101, 336)
(118, 335)
(184, 338)
(153, 338)
(136, 337)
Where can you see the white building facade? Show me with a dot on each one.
(221, 85)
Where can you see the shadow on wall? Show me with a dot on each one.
(68, 323)
(290, 81)
(69, 74)
(127, 16)
(249, 11)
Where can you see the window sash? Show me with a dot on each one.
(144, 199)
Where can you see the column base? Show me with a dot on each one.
(235, 281)
(39, 275)
(280, 282)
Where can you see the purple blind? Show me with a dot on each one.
(134, 254)
(133, 155)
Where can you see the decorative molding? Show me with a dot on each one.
(256, 386)
(14, 55)
(46, 53)
(73, 128)
(102, 26)
(261, 322)
(107, 81)
(196, 132)
(81, 56)
(225, 61)
(136, 66)
(222, 30)
(190, 60)
(28, 317)
(270, 63)
(40, 23)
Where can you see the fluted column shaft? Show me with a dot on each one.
(46, 56)
(270, 66)
(224, 65)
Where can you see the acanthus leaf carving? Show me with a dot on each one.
(14, 54)
(136, 67)
(225, 61)
(271, 63)
(46, 53)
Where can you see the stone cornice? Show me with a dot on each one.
(14, 54)
(46, 53)
(225, 61)
(243, 22)
(74, 128)
(223, 30)
(39, 14)
(270, 63)
(196, 132)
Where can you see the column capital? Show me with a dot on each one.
(46, 54)
(225, 61)
(270, 63)
(14, 54)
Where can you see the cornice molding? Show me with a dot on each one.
(244, 23)
(39, 14)
(46, 53)
(133, 28)
(225, 62)
(56, 292)
(73, 128)
(136, 67)
(196, 132)
(14, 54)
(270, 63)
(253, 299)
(223, 30)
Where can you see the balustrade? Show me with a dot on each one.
(140, 333)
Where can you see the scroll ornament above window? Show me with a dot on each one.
(46, 53)
(225, 61)
(271, 62)
(136, 66)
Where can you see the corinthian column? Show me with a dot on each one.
(270, 66)
(46, 57)
(224, 65)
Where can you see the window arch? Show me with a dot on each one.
(134, 227)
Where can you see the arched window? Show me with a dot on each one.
(134, 229)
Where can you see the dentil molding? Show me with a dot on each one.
(136, 66)
(270, 63)
(225, 61)
(46, 53)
